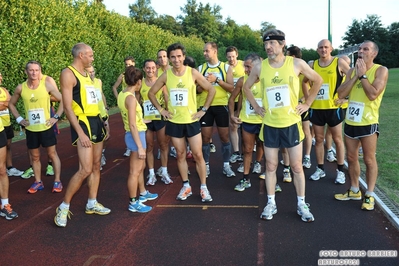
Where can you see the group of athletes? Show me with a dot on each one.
(270, 100)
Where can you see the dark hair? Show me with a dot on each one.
(213, 45)
(295, 51)
(129, 58)
(253, 57)
(149, 60)
(161, 50)
(132, 75)
(274, 32)
(231, 49)
(189, 61)
(176, 46)
(33, 62)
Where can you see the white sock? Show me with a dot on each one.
(225, 164)
(301, 200)
(4, 202)
(64, 206)
(164, 170)
(354, 189)
(271, 199)
(151, 171)
(307, 156)
(369, 194)
(203, 186)
(91, 203)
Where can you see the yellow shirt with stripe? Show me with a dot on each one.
(331, 81)
(85, 101)
(99, 93)
(220, 71)
(247, 113)
(37, 106)
(362, 111)
(150, 112)
(5, 114)
(280, 88)
(141, 126)
(182, 102)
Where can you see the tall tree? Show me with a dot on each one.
(169, 23)
(142, 11)
(265, 26)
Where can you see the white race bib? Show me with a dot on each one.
(91, 95)
(179, 97)
(355, 111)
(278, 96)
(149, 109)
(4, 112)
(249, 109)
(324, 92)
(36, 116)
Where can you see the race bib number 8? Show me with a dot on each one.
(249, 109)
(355, 111)
(91, 95)
(179, 97)
(36, 116)
(278, 96)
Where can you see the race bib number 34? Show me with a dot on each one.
(36, 116)
(179, 97)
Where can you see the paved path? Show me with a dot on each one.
(227, 231)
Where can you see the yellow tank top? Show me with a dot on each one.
(5, 114)
(238, 72)
(141, 126)
(85, 101)
(99, 93)
(221, 96)
(150, 112)
(247, 113)
(361, 111)
(182, 101)
(1, 126)
(331, 81)
(280, 94)
(37, 106)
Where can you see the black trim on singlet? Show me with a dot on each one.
(203, 72)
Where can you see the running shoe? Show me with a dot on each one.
(330, 156)
(28, 173)
(103, 160)
(244, 184)
(172, 152)
(287, 176)
(98, 208)
(368, 203)
(228, 172)
(235, 157)
(62, 217)
(361, 152)
(318, 174)
(148, 196)
(189, 154)
(57, 187)
(257, 168)
(240, 168)
(306, 163)
(262, 176)
(349, 195)
(269, 211)
(35, 187)
(138, 206)
(14, 172)
(49, 170)
(159, 154)
(212, 147)
(166, 178)
(278, 188)
(304, 211)
(184, 193)
(159, 172)
(208, 170)
(151, 180)
(340, 179)
(205, 195)
(127, 153)
(8, 212)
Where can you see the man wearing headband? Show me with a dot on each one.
(281, 114)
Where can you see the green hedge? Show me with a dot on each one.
(46, 30)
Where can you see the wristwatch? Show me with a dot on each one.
(56, 117)
(203, 109)
(363, 77)
(217, 80)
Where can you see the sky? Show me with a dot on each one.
(304, 22)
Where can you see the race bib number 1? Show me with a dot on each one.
(179, 97)
(36, 116)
